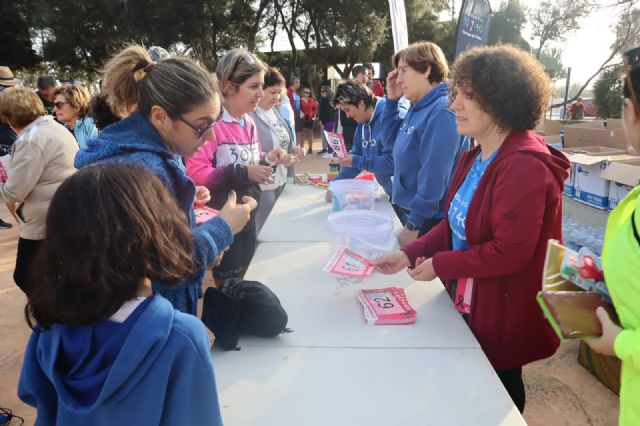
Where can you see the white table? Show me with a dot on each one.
(324, 312)
(336, 370)
(300, 214)
(369, 387)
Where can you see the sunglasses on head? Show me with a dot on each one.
(249, 58)
(632, 61)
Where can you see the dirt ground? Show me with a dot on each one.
(559, 391)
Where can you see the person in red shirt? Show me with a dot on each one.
(503, 205)
(374, 85)
(308, 111)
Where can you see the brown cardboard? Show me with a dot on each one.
(593, 133)
(553, 139)
(626, 172)
(592, 150)
(606, 368)
(552, 127)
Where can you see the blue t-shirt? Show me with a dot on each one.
(460, 203)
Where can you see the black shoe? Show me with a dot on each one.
(323, 151)
(5, 225)
(309, 151)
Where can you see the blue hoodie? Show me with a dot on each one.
(426, 149)
(134, 140)
(372, 150)
(155, 368)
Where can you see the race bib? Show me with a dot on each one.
(231, 153)
(462, 300)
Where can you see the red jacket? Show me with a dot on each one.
(377, 89)
(515, 210)
(309, 109)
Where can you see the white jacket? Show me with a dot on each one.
(41, 159)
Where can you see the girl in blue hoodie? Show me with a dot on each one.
(170, 109)
(104, 349)
(372, 150)
(427, 145)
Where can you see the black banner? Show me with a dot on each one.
(473, 24)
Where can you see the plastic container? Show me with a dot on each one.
(368, 233)
(353, 194)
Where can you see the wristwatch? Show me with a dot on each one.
(411, 227)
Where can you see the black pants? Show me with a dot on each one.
(27, 251)
(512, 381)
(240, 253)
(403, 213)
(348, 133)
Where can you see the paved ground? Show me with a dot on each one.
(559, 391)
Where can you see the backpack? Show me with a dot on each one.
(242, 307)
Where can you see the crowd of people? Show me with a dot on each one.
(112, 259)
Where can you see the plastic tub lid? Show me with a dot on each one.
(357, 184)
(361, 222)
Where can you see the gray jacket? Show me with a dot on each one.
(266, 139)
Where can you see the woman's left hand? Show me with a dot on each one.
(604, 344)
(288, 160)
(277, 155)
(203, 196)
(423, 271)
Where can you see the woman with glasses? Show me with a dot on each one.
(427, 145)
(308, 111)
(273, 133)
(234, 159)
(71, 106)
(503, 206)
(621, 261)
(326, 117)
(170, 110)
(370, 151)
(41, 159)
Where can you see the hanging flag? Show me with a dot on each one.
(398, 25)
(473, 25)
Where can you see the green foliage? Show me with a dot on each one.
(16, 49)
(552, 60)
(507, 24)
(607, 90)
(554, 20)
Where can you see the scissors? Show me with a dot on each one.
(589, 269)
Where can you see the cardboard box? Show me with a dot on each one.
(606, 368)
(569, 184)
(624, 176)
(554, 140)
(552, 127)
(594, 133)
(589, 187)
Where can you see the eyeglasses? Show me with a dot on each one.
(200, 131)
(631, 61)
(59, 105)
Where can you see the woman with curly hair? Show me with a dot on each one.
(504, 204)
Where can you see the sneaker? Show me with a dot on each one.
(323, 151)
(327, 156)
(5, 225)
(309, 151)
